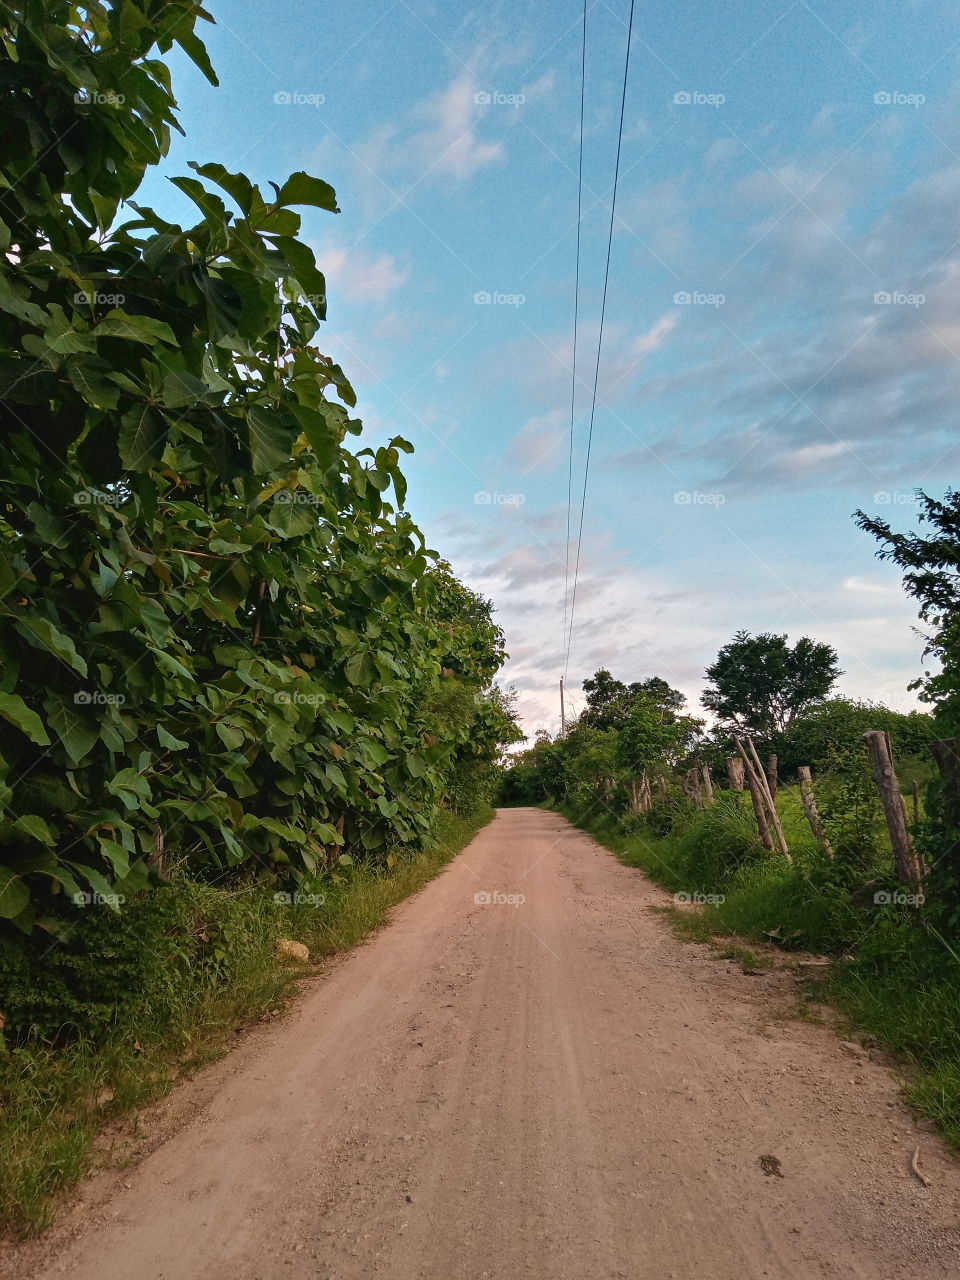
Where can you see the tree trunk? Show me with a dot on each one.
(772, 775)
(894, 806)
(810, 809)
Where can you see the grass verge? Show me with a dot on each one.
(198, 962)
(899, 981)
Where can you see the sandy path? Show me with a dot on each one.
(546, 1090)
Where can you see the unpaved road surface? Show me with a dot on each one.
(547, 1089)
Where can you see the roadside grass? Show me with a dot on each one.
(218, 970)
(895, 978)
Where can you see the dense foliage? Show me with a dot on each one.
(223, 641)
(760, 684)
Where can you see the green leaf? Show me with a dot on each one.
(14, 710)
(116, 855)
(75, 733)
(181, 388)
(14, 895)
(416, 765)
(300, 188)
(43, 635)
(271, 438)
(32, 825)
(143, 433)
(169, 741)
(116, 324)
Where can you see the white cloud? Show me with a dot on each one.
(359, 276)
(538, 445)
(450, 144)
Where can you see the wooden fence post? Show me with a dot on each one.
(810, 809)
(894, 806)
(758, 807)
(707, 785)
(772, 775)
(771, 806)
(735, 773)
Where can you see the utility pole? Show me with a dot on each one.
(563, 714)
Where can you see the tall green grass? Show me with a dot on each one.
(218, 968)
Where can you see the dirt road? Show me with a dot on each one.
(502, 1090)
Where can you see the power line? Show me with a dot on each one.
(576, 317)
(603, 308)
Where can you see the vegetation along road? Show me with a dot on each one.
(525, 1075)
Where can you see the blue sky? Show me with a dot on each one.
(804, 199)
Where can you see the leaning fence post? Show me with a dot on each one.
(762, 827)
(894, 806)
(768, 798)
(810, 809)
